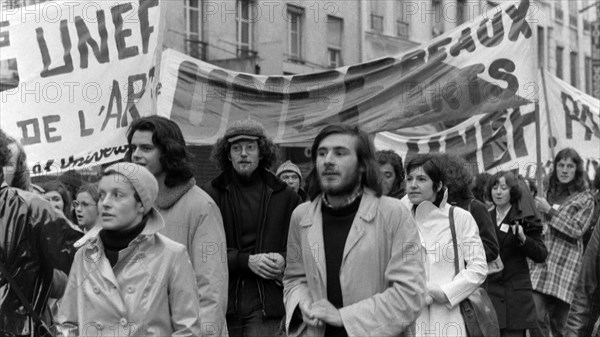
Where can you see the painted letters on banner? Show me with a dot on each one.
(503, 140)
(73, 77)
(574, 118)
(480, 67)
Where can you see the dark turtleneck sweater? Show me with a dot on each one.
(336, 226)
(247, 195)
(116, 240)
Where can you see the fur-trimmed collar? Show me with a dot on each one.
(168, 196)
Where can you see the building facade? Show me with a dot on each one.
(563, 35)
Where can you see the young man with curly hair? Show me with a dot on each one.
(256, 209)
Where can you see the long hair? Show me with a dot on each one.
(480, 185)
(4, 150)
(60, 188)
(21, 178)
(511, 181)
(458, 178)
(167, 136)
(266, 149)
(390, 157)
(365, 152)
(579, 180)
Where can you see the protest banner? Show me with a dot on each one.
(574, 118)
(74, 75)
(506, 140)
(503, 140)
(480, 67)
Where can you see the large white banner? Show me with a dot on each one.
(574, 118)
(506, 140)
(480, 67)
(503, 140)
(73, 75)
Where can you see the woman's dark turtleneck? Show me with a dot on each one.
(117, 240)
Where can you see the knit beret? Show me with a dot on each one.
(288, 166)
(244, 129)
(140, 178)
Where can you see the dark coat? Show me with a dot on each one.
(585, 309)
(487, 231)
(510, 289)
(280, 202)
(33, 242)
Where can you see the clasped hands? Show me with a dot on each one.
(318, 313)
(267, 265)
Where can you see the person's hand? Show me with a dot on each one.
(435, 291)
(326, 312)
(265, 266)
(542, 204)
(307, 315)
(279, 260)
(520, 233)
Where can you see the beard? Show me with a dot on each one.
(245, 171)
(345, 187)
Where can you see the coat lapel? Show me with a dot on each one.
(314, 235)
(366, 213)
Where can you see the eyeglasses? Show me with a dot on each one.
(237, 148)
(83, 204)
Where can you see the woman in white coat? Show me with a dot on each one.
(426, 194)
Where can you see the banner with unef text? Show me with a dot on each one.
(73, 76)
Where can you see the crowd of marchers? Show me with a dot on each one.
(362, 245)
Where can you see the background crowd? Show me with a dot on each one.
(362, 245)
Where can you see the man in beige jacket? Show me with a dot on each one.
(354, 263)
(192, 218)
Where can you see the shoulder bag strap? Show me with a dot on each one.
(20, 295)
(454, 244)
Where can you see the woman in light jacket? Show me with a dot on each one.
(519, 233)
(426, 191)
(129, 280)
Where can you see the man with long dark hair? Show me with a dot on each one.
(256, 209)
(191, 217)
(567, 209)
(392, 173)
(354, 264)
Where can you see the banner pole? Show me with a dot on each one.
(551, 146)
(538, 128)
(538, 147)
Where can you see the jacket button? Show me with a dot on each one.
(123, 321)
(96, 290)
(130, 289)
